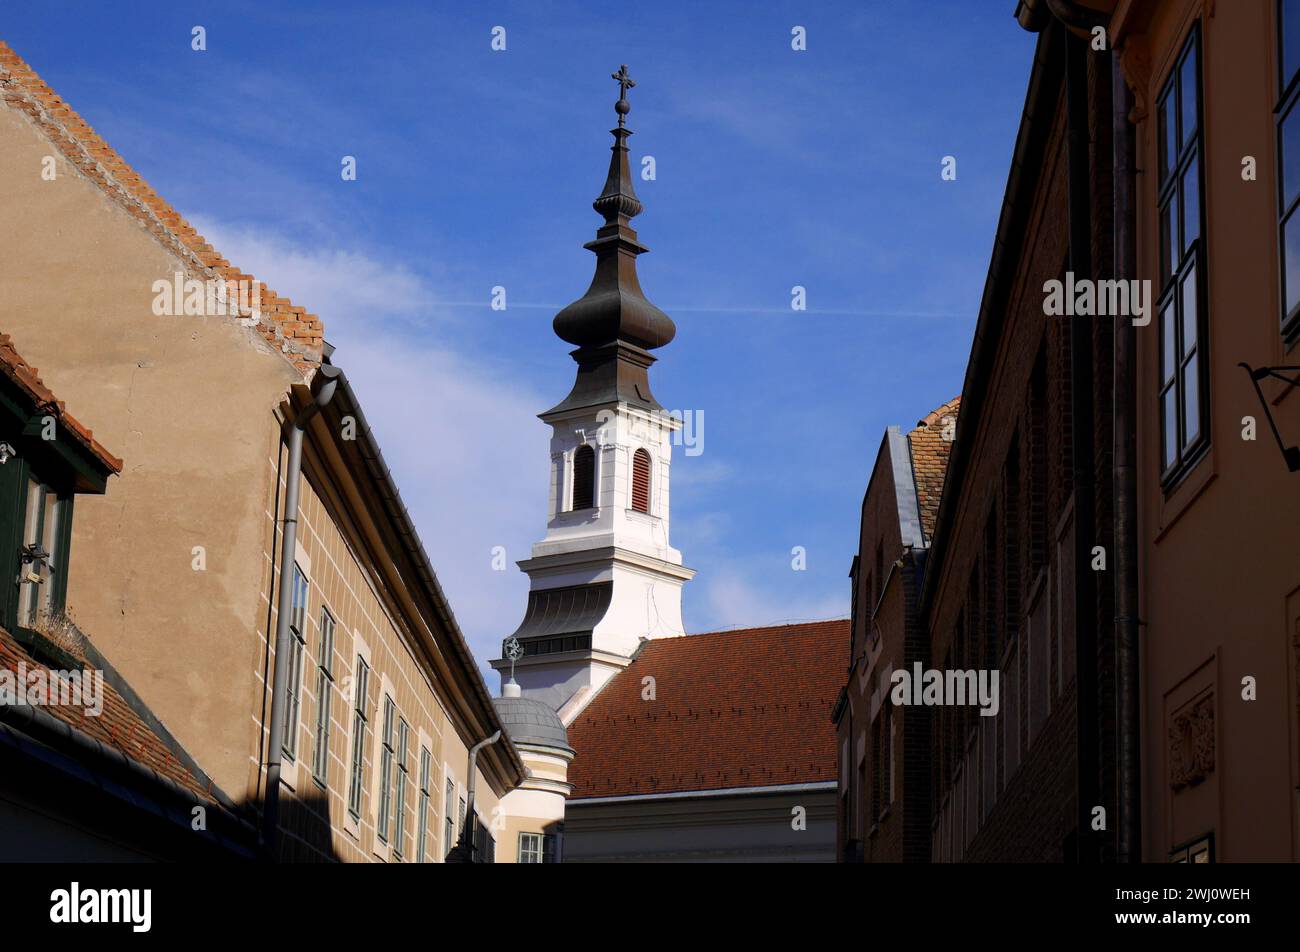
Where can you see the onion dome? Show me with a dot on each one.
(614, 310)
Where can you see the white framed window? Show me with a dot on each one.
(537, 847)
(297, 646)
(399, 794)
(359, 724)
(449, 817)
(386, 769)
(320, 757)
(422, 811)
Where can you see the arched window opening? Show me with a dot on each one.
(584, 478)
(641, 481)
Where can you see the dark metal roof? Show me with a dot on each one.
(529, 721)
(572, 610)
(613, 324)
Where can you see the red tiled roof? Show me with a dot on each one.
(289, 328)
(746, 708)
(117, 725)
(930, 461)
(26, 376)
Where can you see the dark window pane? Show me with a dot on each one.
(1167, 136)
(1291, 264)
(1191, 206)
(1169, 414)
(1290, 137)
(1189, 311)
(1187, 91)
(1168, 241)
(1191, 387)
(1289, 27)
(1168, 362)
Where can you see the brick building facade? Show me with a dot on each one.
(1117, 532)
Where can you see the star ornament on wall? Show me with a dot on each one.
(1291, 454)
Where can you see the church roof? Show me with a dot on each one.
(731, 709)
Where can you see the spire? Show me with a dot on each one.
(614, 310)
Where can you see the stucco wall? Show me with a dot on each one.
(338, 583)
(188, 403)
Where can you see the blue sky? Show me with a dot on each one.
(477, 168)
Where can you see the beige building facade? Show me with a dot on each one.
(195, 373)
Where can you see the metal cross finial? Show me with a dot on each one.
(625, 82)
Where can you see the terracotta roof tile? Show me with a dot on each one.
(930, 461)
(117, 725)
(26, 377)
(746, 708)
(22, 89)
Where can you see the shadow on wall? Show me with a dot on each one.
(305, 835)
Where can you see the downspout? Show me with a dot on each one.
(1081, 440)
(1128, 698)
(464, 851)
(288, 544)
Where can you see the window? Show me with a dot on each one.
(297, 644)
(1288, 162)
(403, 774)
(448, 821)
(1198, 851)
(422, 821)
(1183, 372)
(641, 481)
(358, 737)
(485, 846)
(584, 478)
(386, 768)
(536, 848)
(460, 819)
(320, 757)
(42, 555)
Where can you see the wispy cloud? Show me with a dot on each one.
(464, 444)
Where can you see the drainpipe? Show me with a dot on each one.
(1081, 439)
(280, 682)
(1127, 661)
(464, 851)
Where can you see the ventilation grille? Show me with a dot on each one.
(641, 481)
(584, 477)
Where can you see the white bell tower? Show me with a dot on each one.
(605, 576)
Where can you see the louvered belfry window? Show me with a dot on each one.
(584, 478)
(641, 481)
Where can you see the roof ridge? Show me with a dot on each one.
(935, 415)
(789, 623)
(296, 334)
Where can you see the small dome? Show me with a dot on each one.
(532, 722)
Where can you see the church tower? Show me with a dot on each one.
(605, 577)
